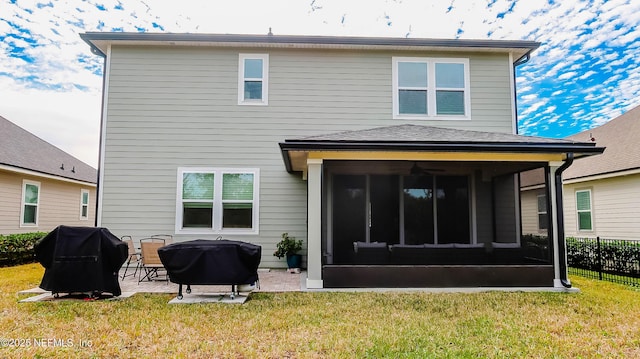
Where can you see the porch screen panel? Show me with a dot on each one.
(452, 197)
(418, 209)
(349, 215)
(384, 207)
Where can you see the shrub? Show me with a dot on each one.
(287, 246)
(18, 248)
(615, 256)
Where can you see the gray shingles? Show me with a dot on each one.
(429, 134)
(21, 149)
(620, 137)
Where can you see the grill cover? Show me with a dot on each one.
(209, 262)
(81, 259)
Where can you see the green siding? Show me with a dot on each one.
(170, 107)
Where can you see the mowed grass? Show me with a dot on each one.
(602, 321)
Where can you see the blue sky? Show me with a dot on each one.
(585, 73)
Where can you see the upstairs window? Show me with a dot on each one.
(253, 79)
(84, 204)
(430, 87)
(30, 203)
(214, 200)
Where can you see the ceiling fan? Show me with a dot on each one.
(417, 170)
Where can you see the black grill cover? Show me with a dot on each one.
(81, 259)
(210, 262)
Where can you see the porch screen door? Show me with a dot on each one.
(349, 215)
(365, 209)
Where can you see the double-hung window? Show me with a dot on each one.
(84, 204)
(543, 219)
(253, 79)
(430, 87)
(30, 203)
(584, 213)
(217, 200)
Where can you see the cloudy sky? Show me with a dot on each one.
(585, 73)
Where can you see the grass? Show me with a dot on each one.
(602, 321)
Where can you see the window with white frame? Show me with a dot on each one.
(584, 213)
(84, 204)
(253, 79)
(543, 219)
(30, 203)
(217, 200)
(430, 87)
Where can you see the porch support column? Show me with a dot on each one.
(314, 223)
(557, 278)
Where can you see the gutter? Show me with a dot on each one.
(96, 51)
(562, 248)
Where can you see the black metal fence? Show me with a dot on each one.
(613, 260)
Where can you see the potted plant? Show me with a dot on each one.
(288, 247)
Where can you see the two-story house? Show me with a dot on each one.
(396, 160)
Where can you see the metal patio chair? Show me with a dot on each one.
(134, 256)
(150, 261)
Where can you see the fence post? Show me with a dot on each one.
(599, 256)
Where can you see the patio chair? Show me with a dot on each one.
(134, 256)
(150, 261)
(168, 238)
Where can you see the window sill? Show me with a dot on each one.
(253, 103)
(244, 232)
(431, 118)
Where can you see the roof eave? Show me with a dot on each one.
(578, 150)
(99, 41)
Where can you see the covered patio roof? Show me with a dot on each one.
(417, 142)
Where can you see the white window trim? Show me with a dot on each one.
(82, 192)
(431, 88)
(265, 80)
(217, 202)
(578, 211)
(542, 213)
(22, 203)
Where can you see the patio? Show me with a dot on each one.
(271, 280)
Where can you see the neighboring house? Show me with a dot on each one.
(394, 159)
(42, 186)
(601, 193)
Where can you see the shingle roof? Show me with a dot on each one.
(430, 135)
(429, 138)
(620, 137)
(21, 149)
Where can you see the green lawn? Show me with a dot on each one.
(602, 321)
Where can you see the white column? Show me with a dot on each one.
(314, 223)
(553, 166)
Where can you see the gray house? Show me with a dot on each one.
(396, 160)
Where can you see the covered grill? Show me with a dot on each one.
(209, 262)
(80, 260)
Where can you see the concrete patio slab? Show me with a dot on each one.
(210, 298)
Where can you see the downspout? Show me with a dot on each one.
(96, 51)
(522, 60)
(562, 250)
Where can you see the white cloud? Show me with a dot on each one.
(567, 75)
(595, 42)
